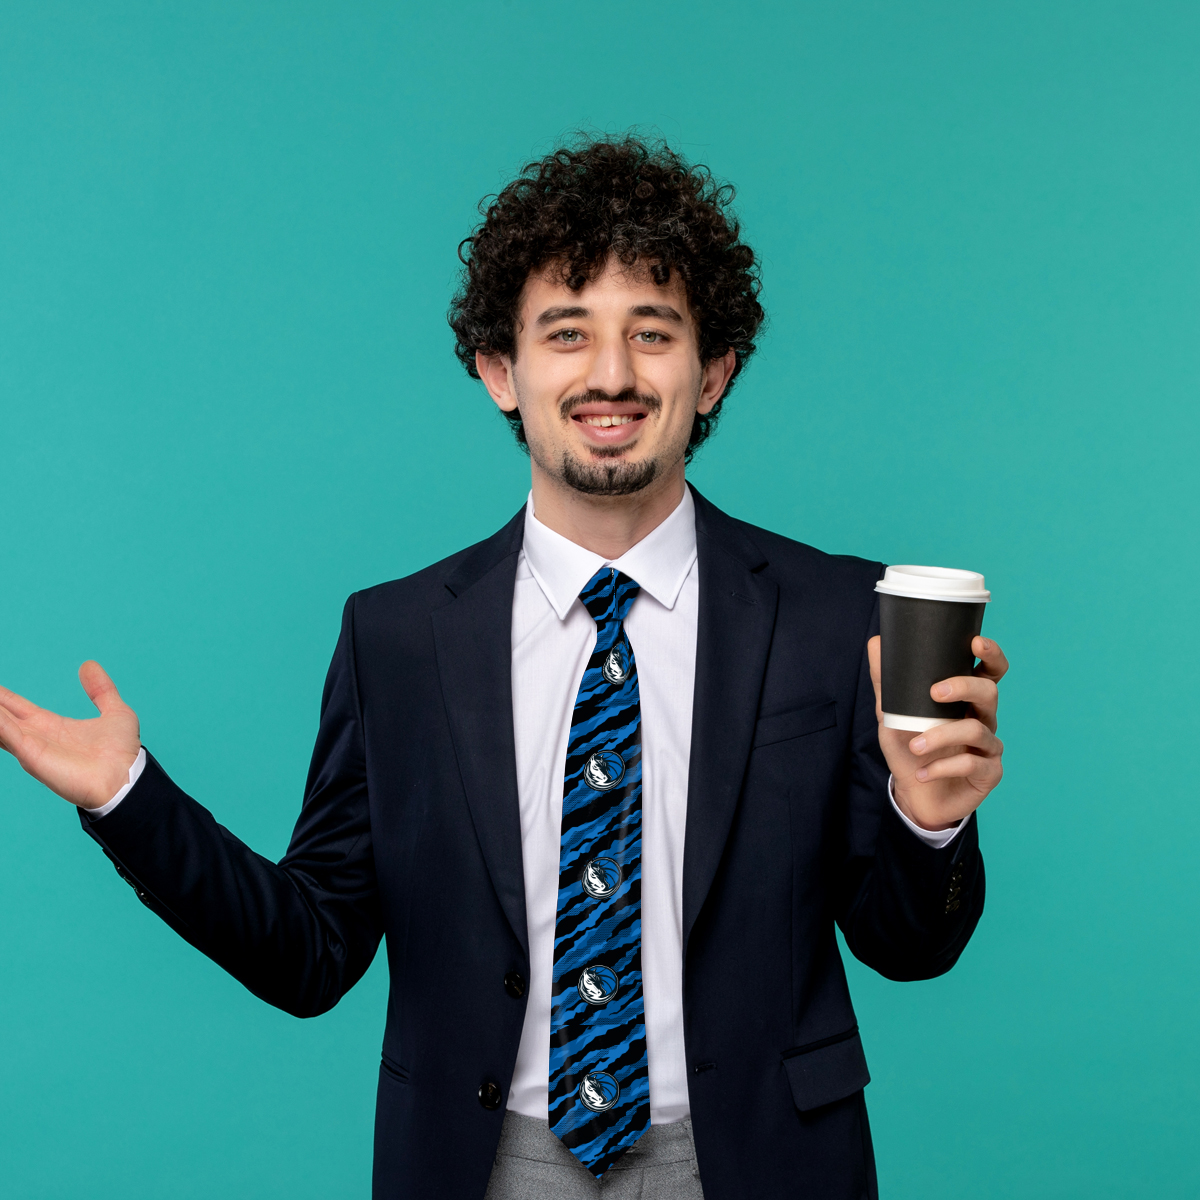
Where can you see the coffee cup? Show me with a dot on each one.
(928, 617)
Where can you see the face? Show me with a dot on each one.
(608, 380)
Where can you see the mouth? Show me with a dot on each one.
(605, 421)
(609, 423)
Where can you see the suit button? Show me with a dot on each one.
(954, 892)
(489, 1094)
(514, 984)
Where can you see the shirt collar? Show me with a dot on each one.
(659, 563)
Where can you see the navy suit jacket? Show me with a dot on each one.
(410, 828)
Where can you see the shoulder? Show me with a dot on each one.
(793, 565)
(424, 589)
(825, 607)
(797, 563)
(817, 590)
(437, 585)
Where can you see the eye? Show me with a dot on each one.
(570, 336)
(650, 337)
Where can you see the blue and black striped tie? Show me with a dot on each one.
(599, 1079)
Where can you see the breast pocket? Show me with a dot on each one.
(796, 723)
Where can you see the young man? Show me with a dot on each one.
(606, 780)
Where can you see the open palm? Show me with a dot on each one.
(86, 762)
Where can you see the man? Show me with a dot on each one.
(606, 780)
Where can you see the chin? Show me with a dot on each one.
(607, 474)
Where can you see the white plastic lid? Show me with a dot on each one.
(934, 583)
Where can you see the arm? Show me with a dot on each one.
(907, 909)
(298, 934)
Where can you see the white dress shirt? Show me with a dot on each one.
(553, 636)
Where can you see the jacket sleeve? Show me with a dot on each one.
(906, 909)
(300, 933)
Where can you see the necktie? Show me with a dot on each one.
(599, 1079)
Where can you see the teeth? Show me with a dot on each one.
(604, 422)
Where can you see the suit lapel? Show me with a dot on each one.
(473, 636)
(736, 621)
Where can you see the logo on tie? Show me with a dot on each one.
(601, 877)
(599, 1091)
(597, 984)
(615, 669)
(604, 770)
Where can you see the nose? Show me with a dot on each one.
(611, 367)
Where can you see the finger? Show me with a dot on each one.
(11, 734)
(980, 693)
(992, 663)
(20, 708)
(982, 772)
(971, 732)
(100, 689)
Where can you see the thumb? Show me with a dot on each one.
(101, 690)
(873, 662)
(873, 658)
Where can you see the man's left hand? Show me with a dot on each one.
(945, 773)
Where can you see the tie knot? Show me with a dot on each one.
(609, 595)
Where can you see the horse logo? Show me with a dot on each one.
(603, 770)
(597, 984)
(601, 877)
(615, 669)
(599, 1091)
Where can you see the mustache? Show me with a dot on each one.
(652, 404)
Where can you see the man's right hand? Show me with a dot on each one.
(85, 762)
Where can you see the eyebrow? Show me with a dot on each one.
(664, 312)
(562, 313)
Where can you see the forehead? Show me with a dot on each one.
(614, 291)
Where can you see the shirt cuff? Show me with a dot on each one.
(939, 839)
(135, 773)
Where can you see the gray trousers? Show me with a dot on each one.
(532, 1164)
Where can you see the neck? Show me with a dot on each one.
(605, 525)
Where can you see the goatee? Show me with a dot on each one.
(594, 476)
(615, 478)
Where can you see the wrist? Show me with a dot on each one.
(116, 785)
(926, 820)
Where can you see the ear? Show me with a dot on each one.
(495, 370)
(715, 380)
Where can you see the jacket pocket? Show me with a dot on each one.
(809, 719)
(828, 1070)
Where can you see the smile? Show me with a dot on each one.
(606, 421)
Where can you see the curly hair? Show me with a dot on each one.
(627, 198)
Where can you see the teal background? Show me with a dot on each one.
(227, 399)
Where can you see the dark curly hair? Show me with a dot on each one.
(630, 198)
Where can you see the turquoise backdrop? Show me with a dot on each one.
(228, 399)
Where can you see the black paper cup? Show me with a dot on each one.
(928, 617)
